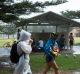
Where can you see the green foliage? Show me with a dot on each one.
(3, 41)
(71, 14)
(14, 10)
(60, 1)
(40, 4)
(2, 0)
(1, 28)
(7, 9)
(9, 18)
(47, 3)
(9, 29)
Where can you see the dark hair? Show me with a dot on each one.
(71, 33)
(19, 30)
(52, 35)
(62, 35)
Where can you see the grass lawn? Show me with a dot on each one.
(37, 62)
(65, 63)
(77, 41)
(4, 41)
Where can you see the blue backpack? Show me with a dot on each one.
(48, 46)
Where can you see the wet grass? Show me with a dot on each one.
(5, 71)
(65, 62)
(68, 62)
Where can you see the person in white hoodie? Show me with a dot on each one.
(24, 48)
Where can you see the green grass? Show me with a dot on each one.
(3, 41)
(5, 71)
(69, 62)
(77, 41)
(66, 63)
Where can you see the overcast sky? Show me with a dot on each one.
(48, 0)
(54, 0)
(70, 5)
(41, 0)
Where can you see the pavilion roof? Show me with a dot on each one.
(49, 19)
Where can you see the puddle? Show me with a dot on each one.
(70, 73)
(76, 49)
(76, 73)
(67, 73)
(6, 51)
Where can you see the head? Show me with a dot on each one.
(52, 35)
(71, 33)
(62, 35)
(24, 35)
(18, 30)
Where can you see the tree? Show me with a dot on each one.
(9, 11)
(47, 3)
(1, 28)
(61, 1)
(6, 12)
(9, 29)
(71, 14)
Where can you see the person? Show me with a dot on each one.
(50, 60)
(62, 42)
(18, 34)
(24, 48)
(71, 40)
(41, 44)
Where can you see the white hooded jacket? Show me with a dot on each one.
(23, 66)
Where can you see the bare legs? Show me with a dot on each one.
(51, 64)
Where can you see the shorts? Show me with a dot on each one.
(71, 42)
(50, 58)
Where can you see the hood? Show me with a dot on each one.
(24, 35)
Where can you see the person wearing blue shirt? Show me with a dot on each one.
(50, 59)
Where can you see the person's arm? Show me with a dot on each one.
(25, 47)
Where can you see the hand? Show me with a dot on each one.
(30, 41)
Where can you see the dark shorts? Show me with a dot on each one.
(71, 42)
(50, 58)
